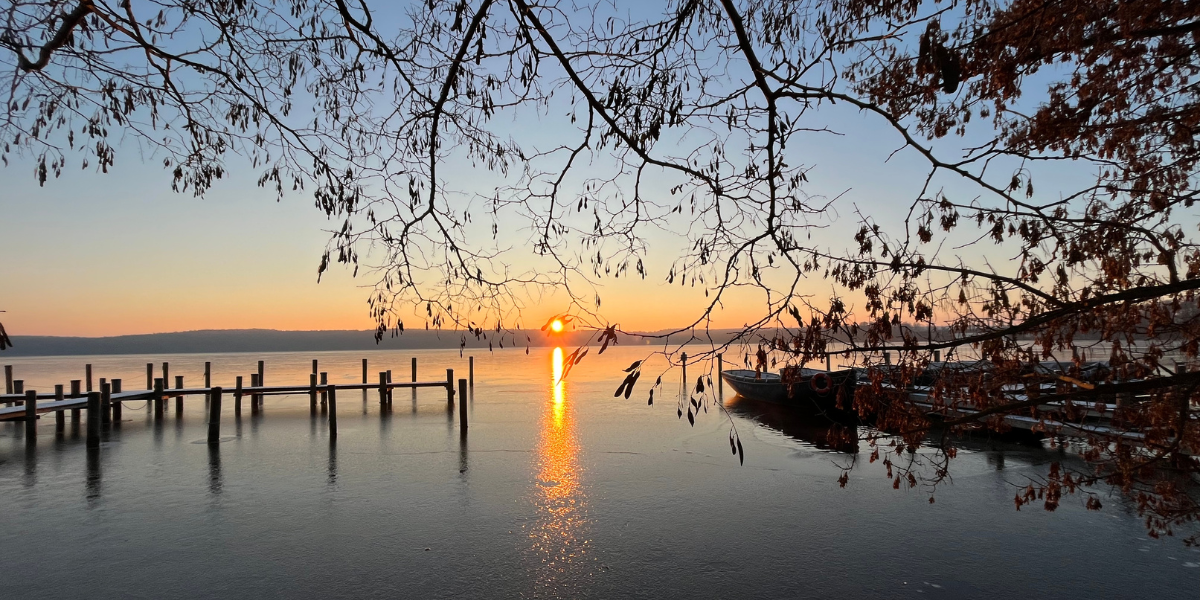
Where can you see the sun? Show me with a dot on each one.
(556, 326)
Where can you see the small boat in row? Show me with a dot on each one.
(828, 393)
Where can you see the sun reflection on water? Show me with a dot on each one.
(559, 533)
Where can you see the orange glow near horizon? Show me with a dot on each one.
(557, 327)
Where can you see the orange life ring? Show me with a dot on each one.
(825, 385)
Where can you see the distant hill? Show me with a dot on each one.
(271, 340)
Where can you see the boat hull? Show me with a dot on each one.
(798, 391)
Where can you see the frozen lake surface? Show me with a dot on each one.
(557, 491)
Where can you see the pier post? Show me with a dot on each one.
(828, 362)
(207, 374)
(149, 377)
(414, 371)
(720, 380)
(261, 378)
(237, 398)
(471, 375)
(93, 420)
(166, 372)
(332, 392)
(8, 379)
(159, 385)
(462, 406)
(179, 399)
(887, 357)
(450, 388)
(105, 403)
(365, 379)
(324, 388)
(389, 389)
(214, 417)
(312, 392)
(87, 371)
(937, 356)
(31, 417)
(60, 416)
(116, 406)
(253, 395)
(18, 386)
(683, 361)
(76, 391)
(383, 390)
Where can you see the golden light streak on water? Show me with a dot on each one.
(559, 533)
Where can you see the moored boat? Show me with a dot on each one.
(829, 393)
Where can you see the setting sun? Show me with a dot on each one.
(556, 326)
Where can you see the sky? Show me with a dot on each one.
(96, 254)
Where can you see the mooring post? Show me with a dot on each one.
(414, 371)
(312, 392)
(60, 416)
(324, 387)
(683, 361)
(116, 406)
(471, 375)
(87, 372)
(166, 372)
(93, 420)
(8, 379)
(214, 417)
(31, 417)
(207, 374)
(365, 379)
(462, 405)
(149, 377)
(159, 385)
(18, 388)
(389, 389)
(254, 394)
(237, 398)
(261, 379)
(887, 357)
(383, 388)
(179, 398)
(937, 356)
(332, 392)
(75, 393)
(720, 380)
(450, 388)
(105, 403)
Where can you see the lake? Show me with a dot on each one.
(558, 491)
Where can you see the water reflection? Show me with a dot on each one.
(559, 533)
(92, 481)
(215, 480)
(805, 426)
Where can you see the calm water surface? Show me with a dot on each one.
(557, 491)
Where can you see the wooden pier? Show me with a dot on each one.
(104, 407)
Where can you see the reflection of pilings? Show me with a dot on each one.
(462, 451)
(30, 464)
(214, 468)
(92, 482)
(332, 467)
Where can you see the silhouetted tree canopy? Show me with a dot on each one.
(1059, 139)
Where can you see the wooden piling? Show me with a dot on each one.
(365, 379)
(105, 403)
(116, 406)
(8, 379)
(179, 399)
(207, 374)
(254, 395)
(332, 393)
(828, 362)
(389, 389)
(76, 392)
(166, 372)
(312, 392)
(887, 357)
(686, 386)
(237, 398)
(159, 385)
(149, 376)
(60, 416)
(414, 371)
(315, 369)
(18, 386)
(450, 387)
(261, 378)
(31, 417)
(471, 373)
(720, 380)
(462, 405)
(214, 417)
(324, 388)
(383, 390)
(87, 370)
(93, 420)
